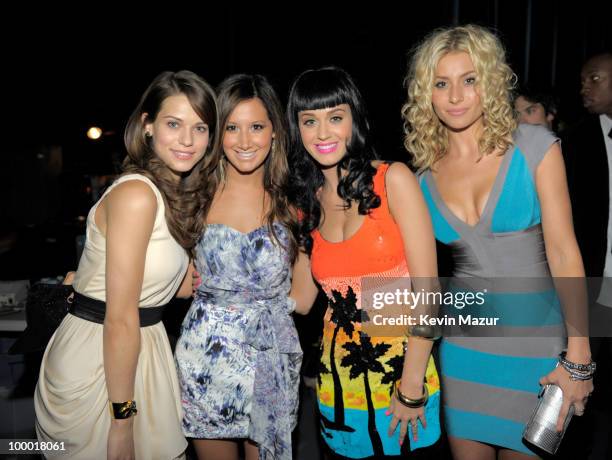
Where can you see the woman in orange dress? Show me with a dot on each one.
(360, 218)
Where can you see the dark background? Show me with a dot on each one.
(91, 67)
(68, 68)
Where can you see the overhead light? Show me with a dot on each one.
(94, 133)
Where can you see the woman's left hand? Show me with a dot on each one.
(575, 392)
(405, 416)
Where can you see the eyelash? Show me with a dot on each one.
(334, 119)
(174, 124)
(256, 127)
(468, 80)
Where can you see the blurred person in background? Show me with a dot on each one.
(536, 108)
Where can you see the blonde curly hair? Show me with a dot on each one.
(426, 137)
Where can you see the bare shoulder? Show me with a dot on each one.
(553, 151)
(551, 166)
(400, 177)
(134, 196)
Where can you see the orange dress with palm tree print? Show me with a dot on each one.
(357, 372)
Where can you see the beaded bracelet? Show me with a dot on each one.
(590, 368)
(577, 371)
(579, 376)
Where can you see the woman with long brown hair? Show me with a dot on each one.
(108, 386)
(238, 355)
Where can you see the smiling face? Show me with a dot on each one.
(455, 96)
(248, 136)
(596, 79)
(178, 135)
(326, 133)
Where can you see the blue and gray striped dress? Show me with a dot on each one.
(490, 383)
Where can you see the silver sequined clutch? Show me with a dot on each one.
(541, 429)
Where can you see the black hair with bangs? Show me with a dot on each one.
(322, 88)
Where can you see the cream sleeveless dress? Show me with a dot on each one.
(71, 399)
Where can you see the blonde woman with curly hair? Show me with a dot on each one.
(498, 198)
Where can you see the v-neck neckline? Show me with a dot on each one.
(494, 193)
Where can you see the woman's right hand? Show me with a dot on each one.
(121, 440)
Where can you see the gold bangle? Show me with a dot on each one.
(412, 403)
(122, 410)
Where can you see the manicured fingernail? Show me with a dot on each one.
(387, 413)
(400, 441)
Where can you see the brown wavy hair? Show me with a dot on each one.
(185, 200)
(231, 92)
(426, 137)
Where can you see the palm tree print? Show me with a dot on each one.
(363, 359)
(322, 368)
(397, 366)
(344, 314)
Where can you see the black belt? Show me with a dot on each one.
(94, 310)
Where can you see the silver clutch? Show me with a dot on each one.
(541, 429)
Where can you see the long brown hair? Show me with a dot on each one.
(231, 92)
(185, 200)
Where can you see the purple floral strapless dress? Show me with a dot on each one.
(239, 356)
